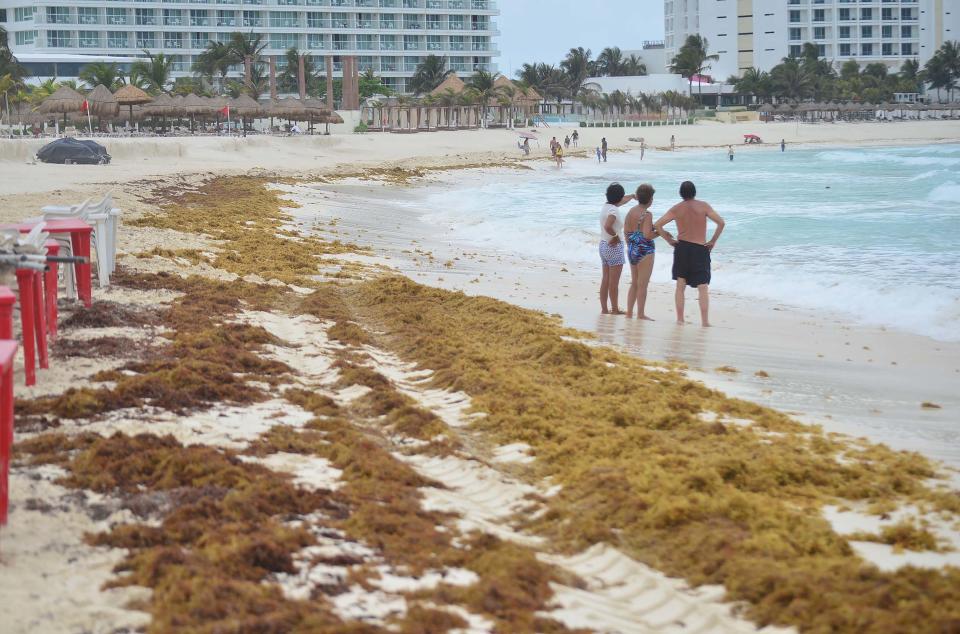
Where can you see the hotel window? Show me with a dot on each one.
(866, 50)
(365, 63)
(388, 4)
(411, 4)
(411, 43)
(317, 21)
(23, 14)
(316, 42)
(58, 15)
(795, 34)
(26, 38)
(364, 20)
(388, 21)
(411, 63)
(887, 48)
(89, 39)
(844, 15)
(844, 33)
(907, 14)
(252, 18)
(908, 49)
(172, 17)
(341, 42)
(794, 16)
(145, 39)
(226, 18)
(412, 22)
(481, 43)
(906, 32)
(435, 43)
(198, 17)
(845, 50)
(819, 32)
(886, 13)
(58, 39)
(866, 32)
(886, 31)
(340, 20)
(116, 16)
(172, 40)
(456, 23)
(434, 23)
(866, 14)
(795, 50)
(145, 17)
(199, 40)
(388, 64)
(284, 19)
(283, 41)
(117, 39)
(457, 43)
(88, 15)
(365, 42)
(388, 42)
(819, 15)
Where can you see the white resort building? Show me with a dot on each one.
(759, 33)
(54, 38)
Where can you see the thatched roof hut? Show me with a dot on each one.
(452, 82)
(244, 106)
(289, 108)
(64, 100)
(161, 105)
(196, 105)
(131, 96)
(102, 102)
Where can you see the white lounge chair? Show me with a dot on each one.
(105, 218)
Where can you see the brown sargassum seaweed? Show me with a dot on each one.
(712, 502)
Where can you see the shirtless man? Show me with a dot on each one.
(691, 255)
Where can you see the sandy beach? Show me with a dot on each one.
(300, 408)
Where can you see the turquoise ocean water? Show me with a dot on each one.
(870, 234)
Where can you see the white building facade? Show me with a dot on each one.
(389, 37)
(760, 33)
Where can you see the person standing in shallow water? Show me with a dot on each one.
(691, 254)
(783, 145)
(638, 230)
(611, 248)
(730, 152)
(603, 148)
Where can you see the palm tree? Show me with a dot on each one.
(46, 88)
(99, 73)
(216, 59)
(154, 71)
(692, 59)
(634, 66)
(289, 79)
(578, 66)
(247, 48)
(483, 83)
(791, 79)
(429, 74)
(911, 75)
(610, 62)
(755, 82)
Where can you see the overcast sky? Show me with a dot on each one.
(544, 30)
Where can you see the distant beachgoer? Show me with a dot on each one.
(554, 144)
(526, 147)
(691, 255)
(730, 151)
(599, 155)
(673, 143)
(783, 145)
(566, 142)
(603, 148)
(643, 148)
(611, 248)
(575, 138)
(559, 155)
(638, 230)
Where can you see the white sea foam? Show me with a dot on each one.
(873, 157)
(946, 193)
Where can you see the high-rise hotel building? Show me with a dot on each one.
(389, 37)
(760, 33)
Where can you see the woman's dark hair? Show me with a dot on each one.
(645, 194)
(615, 193)
(688, 190)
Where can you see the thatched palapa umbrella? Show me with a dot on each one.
(161, 106)
(290, 109)
(194, 105)
(102, 102)
(244, 106)
(64, 100)
(131, 96)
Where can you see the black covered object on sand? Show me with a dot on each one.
(74, 151)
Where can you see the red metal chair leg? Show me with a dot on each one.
(81, 248)
(50, 282)
(27, 321)
(40, 317)
(8, 349)
(7, 299)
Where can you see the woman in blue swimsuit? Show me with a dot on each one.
(638, 228)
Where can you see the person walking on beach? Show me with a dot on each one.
(554, 144)
(643, 148)
(559, 156)
(730, 152)
(783, 145)
(599, 155)
(638, 230)
(566, 142)
(575, 137)
(673, 143)
(526, 147)
(691, 254)
(611, 248)
(603, 148)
